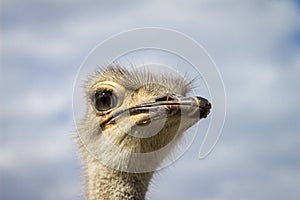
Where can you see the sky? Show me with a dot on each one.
(255, 44)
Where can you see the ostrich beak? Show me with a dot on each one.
(164, 106)
(173, 104)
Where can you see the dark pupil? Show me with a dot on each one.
(103, 100)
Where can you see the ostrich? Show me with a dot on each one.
(125, 107)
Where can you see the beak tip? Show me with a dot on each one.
(204, 103)
(204, 106)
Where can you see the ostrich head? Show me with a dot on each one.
(136, 112)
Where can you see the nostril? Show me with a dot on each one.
(204, 102)
(165, 98)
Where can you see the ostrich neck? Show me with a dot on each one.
(107, 183)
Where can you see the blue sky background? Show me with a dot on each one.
(255, 44)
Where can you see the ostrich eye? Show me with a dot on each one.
(104, 100)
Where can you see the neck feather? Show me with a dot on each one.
(106, 183)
